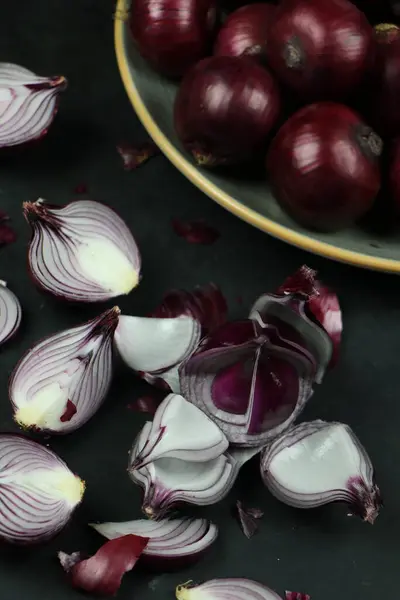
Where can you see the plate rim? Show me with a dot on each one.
(236, 207)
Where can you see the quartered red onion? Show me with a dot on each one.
(38, 492)
(244, 32)
(318, 463)
(28, 104)
(82, 251)
(173, 34)
(102, 573)
(180, 430)
(234, 588)
(10, 313)
(169, 482)
(62, 381)
(172, 543)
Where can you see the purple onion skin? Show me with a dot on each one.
(225, 109)
(173, 35)
(244, 32)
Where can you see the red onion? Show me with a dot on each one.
(28, 104)
(10, 313)
(38, 493)
(172, 543)
(226, 589)
(225, 109)
(173, 34)
(245, 32)
(62, 381)
(102, 573)
(394, 175)
(383, 84)
(323, 166)
(82, 251)
(317, 463)
(320, 49)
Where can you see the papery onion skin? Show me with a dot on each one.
(244, 33)
(29, 514)
(85, 236)
(77, 362)
(323, 166)
(361, 492)
(29, 104)
(173, 35)
(172, 543)
(233, 588)
(320, 49)
(225, 109)
(10, 313)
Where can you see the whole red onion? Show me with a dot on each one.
(173, 34)
(320, 48)
(324, 166)
(225, 109)
(394, 175)
(245, 32)
(383, 93)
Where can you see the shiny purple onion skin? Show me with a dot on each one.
(225, 109)
(244, 33)
(173, 35)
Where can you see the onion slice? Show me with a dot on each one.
(82, 251)
(226, 589)
(317, 463)
(10, 313)
(38, 493)
(180, 430)
(172, 543)
(62, 381)
(102, 573)
(28, 104)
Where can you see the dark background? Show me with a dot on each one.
(323, 552)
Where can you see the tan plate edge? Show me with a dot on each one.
(234, 206)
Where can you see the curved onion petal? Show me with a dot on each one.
(253, 390)
(38, 493)
(180, 430)
(168, 482)
(28, 104)
(10, 313)
(317, 463)
(156, 347)
(102, 573)
(62, 381)
(226, 589)
(171, 542)
(82, 251)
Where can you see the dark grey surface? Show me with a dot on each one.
(322, 552)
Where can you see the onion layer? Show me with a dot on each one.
(38, 493)
(10, 313)
(226, 589)
(82, 251)
(62, 381)
(28, 104)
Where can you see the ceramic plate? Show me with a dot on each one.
(152, 97)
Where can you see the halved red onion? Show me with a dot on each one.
(102, 573)
(249, 380)
(10, 313)
(62, 381)
(82, 251)
(38, 492)
(168, 482)
(28, 104)
(234, 588)
(318, 463)
(172, 543)
(180, 430)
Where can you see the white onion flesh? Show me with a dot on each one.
(38, 493)
(75, 365)
(82, 251)
(226, 589)
(10, 313)
(28, 104)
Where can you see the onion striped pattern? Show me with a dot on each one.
(10, 313)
